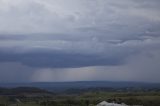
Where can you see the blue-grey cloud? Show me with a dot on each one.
(58, 59)
(78, 33)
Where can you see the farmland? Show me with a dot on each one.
(78, 97)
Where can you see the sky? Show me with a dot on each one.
(79, 40)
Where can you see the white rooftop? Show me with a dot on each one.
(104, 103)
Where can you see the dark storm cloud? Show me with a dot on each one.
(58, 59)
(79, 33)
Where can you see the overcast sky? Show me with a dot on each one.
(79, 40)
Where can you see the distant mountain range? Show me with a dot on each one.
(60, 86)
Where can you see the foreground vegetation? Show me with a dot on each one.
(80, 97)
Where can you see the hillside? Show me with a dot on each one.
(62, 86)
(21, 90)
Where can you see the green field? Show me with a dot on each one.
(85, 99)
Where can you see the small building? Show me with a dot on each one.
(104, 103)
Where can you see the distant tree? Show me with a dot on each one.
(87, 102)
(52, 103)
(2, 105)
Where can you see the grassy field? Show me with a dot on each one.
(86, 99)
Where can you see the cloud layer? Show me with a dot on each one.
(79, 33)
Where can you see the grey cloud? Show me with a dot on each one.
(77, 33)
(57, 59)
(15, 72)
(60, 16)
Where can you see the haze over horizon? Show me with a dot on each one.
(79, 40)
